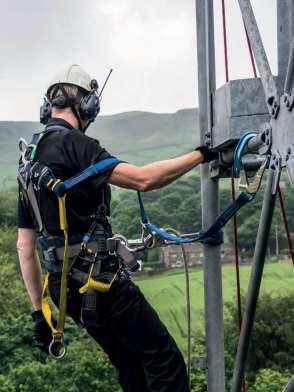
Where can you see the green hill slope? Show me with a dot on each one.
(166, 292)
(138, 137)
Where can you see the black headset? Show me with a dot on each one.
(88, 106)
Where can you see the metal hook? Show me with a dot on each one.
(254, 185)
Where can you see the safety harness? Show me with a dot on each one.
(33, 176)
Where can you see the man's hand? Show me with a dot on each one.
(208, 154)
(42, 334)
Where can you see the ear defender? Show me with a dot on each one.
(90, 104)
(45, 111)
(88, 108)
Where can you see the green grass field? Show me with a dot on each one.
(166, 292)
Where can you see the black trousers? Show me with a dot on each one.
(129, 330)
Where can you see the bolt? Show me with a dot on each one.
(273, 166)
(273, 112)
(267, 131)
(267, 142)
(207, 134)
(275, 104)
(289, 150)
(285, 98)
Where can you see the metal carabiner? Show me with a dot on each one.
(149, 239)
(253, 186)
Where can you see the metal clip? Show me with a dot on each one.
(253, 186)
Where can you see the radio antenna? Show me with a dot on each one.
(106, 80)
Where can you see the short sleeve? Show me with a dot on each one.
(98, 153)
(24, 219)
(88, 151)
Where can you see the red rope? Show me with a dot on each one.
(284, 216)
(235, 229)
(250, 52)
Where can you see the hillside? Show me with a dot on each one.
(137, 137)
(166, 292)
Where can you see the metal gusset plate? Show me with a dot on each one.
(282, 127)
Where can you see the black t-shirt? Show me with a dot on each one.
(67, 151)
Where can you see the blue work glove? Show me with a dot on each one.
(208, 154)
(42, 334)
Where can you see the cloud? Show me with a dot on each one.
(151, 46)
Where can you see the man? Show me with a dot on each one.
(124, 324)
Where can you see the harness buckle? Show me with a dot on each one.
(50, 254)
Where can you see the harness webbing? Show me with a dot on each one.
(97, 168)
(212, 235)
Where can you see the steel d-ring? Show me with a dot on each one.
(57, 349)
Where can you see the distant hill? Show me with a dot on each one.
(138, 137)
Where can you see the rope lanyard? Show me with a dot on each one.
(213, 235)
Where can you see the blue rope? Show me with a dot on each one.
(238, 165)
(213, 235)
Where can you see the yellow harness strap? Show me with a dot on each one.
(57, 348)
(96, 284)
(45, 305)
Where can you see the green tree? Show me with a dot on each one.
(270, 380)
(272, 341)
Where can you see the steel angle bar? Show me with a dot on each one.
(210, 201)
(260, 56)
(288, 87)
(255, 280)
(285, 32)
(290, 386)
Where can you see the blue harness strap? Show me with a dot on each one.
(97, 168)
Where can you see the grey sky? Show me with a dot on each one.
(151, 46)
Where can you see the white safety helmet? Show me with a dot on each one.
(84, 102)
(74, 75)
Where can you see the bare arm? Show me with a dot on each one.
(30, 265)
(154, 175)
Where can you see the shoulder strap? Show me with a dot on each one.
(24, 174)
